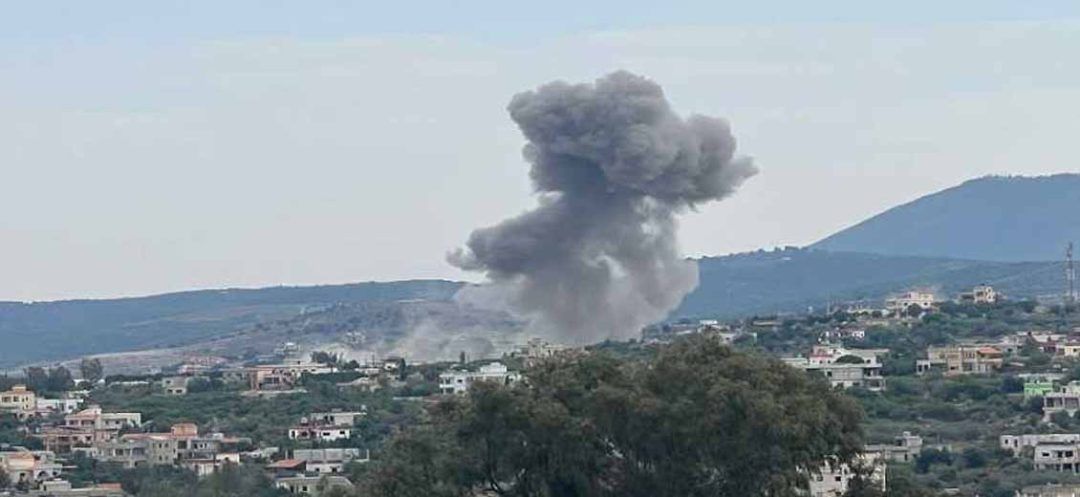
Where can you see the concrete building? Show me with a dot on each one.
(18, 401)
(65, 405)
(458, 382)
(900, 304)
(329, 461)
(833, 480)
(313, 486)
(61, 488)
(175, 385)
(842, 367)
(1066, 399)
(1017, 443)
(980, 294)
(957, 360)
(1057, 457)
(336, 418)
(320, 433)
(283, 376)
(1050, 490)
(1040, 384)
(905, 448)
(30, 467)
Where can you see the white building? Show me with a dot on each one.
(1017, 443)
(458, 382)
(826, 360)
(981, 294)
(329, 461)
(901, 303)
(833, 480)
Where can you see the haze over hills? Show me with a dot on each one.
(934, 242)
(992, 218)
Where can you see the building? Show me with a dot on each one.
(175, 385)
(18, 401)
(458, 382)
(336, 418)
(833, 480)
(30, 467)
(1017, 443)
(314, 486)
(957, 360)
(283, 376)
(902, 304)
(183, 446)
(980, 294)
(1039, 384)
(329, 461)
(1051, 490)
(320, 433)
(1066, 399)
(61, 488)
(65, 405)
(905, 448)
(844, 368)
(1058, 457)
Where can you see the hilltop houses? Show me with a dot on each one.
(905, 302)
(844, 368)
(980, 294)
(957, 360)
(458, 382)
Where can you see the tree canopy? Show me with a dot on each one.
(700, 419)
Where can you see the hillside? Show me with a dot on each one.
(57, 330)
(991, 218)
(792, 279)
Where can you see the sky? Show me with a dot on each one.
(148, 147)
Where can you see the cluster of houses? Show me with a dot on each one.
(834, 480)
(843, 367)
(116, 437)
(25, 404)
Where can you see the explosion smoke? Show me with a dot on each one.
(613, 165)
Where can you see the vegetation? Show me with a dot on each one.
(699, 420)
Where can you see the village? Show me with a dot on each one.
(323, 408)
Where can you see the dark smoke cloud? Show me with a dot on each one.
(613, 165)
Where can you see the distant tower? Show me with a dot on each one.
(1070, 275)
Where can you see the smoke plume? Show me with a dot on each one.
(612, 165)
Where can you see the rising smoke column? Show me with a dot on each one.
(612, 165)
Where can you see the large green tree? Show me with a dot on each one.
(700, 419)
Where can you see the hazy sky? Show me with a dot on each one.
(158, 146)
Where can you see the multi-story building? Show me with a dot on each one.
(329, 461)
(19, 401)
(29, 467)
(175, 385)
(183, 445)
(314, 486)
(283, 376)
(1017, 443)
(833, 480)
(458, 382)
(1058, 457)
(901, 304)
(957, 360)
(844, 368)
(980, 294)
(335, 418)
(1049, 490)
(905, 448)
(1066, 399)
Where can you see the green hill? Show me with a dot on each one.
(992, 218)
(792, 279)
(58, 330)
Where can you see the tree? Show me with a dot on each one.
(5, 480)
(91, 370)
(698, 420)
(37, 379)
(850, 359)
(60, 380)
